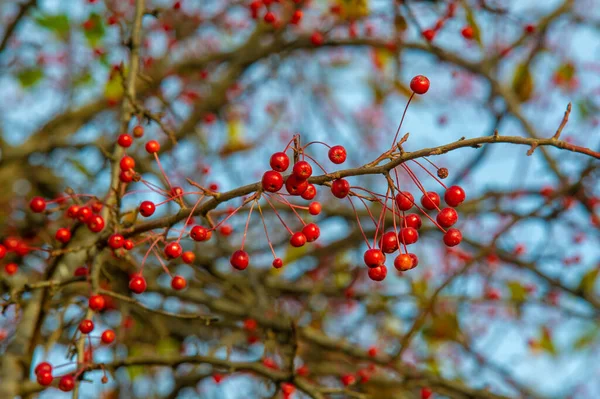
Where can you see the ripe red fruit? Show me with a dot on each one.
(127, 163)
(529, 28)
(298, 239)
(340, 188)
(115, 241)
(84, 214)
(72, 211)
(426, 393)
(239, 259)
(138, 131)
(295, 186)
(287, 389)
(147, 208)
(63, 235)
(348, 379)
(86, 326)
(317, 38)
(314, 208)
(404, 200)
(269, 17)
(302, 170)
(188, 257)
(173, 250)
(403, 262)
(178, 192)
(337, 154)
(96, 223)
(97, 302)
(272, 181)
(389, 242)
(152, 146)
(412, 220)
(37, 204)
(373, 257)
(225, 230)
(97, 207)
(311, 231)
(108, 336)
(378, 273)
(430, 201)
(467, 32)
(11, 268)
(125, 140)
(415, 260)
(429, 35)
(452, 237)
(296, 17)
(310, 192)
(277, 263)
(44, 378)
(447, 217)
(419, 84)
(200, 233)
(137, 284)
(279, 162)
(81, 271)
(128, 245)
(126, 176)
(454, 196)
(66, 383)
(2, 251)
(43, 367)
(178, 283)
(408, 235)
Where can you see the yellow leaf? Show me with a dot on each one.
(546, 342)
(114, 87)
(588, 281)
(473, 24)
(353, 9)
(523, 83)
(381, 58)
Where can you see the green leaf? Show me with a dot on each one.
(94, 29)
(29, 77)
(588, 281)
(167, 347)
(522, 83)
(81, 167)
(587, 339)
(58, 24)
(518, 293)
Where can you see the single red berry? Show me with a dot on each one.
(426, 393)
(277, 263)
(239, 259)
(447, 217)
(311, 231)
(302, 170)
(37, 204)
(403, 262)
(115, 241)
(72, 211)
(373, 257)
(128, 245)
(529, 28)
(378, 273)
(348, 379)
(419, 84)
(152, 147)
(404, 200)
(225, 230)
(269, 17)
(137, 284)
(96, 223)
(452, 237)
(177, 192)
(97, 207)
(66, 383)
(217, 378)
(454, 196)
(340, 188)
(310, 192)
(126, 176)
(295, 186)
(429, 35)
(415, 260)
(287, 388)
(125, 140)
(173, 250)
(296, 17)
(11, 268)
(200, 233)
(86, 326)
(467, 32)
(412, 220)
(337, 154)
(298, 239)
(302, 370)
(97, 302)
(2, 251)
(84, 214)
(314, 208)
(188, 257)
(81, 271)
(408, 235)
(108, 336)
(272, 181)
(43, 367)
(147, 208)
(279, 162)
(178, 283)
(317, 38)
(127, 163)
(44, 378)
(63, 235)
(138, 131)
(430, 201)
(389, 242)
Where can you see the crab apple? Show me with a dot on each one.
(426, 393)
(225, 230)
(374, 257)
(126, 176)
(72, 211)
(408, 235)
(467, 32)
(302, 170)
(152, 147)
(84, 214)
(2, 251)
(269, 17)
(378, 273)
(403, 262)
(340, 188)
(429, 35)
(239, 259)
(125, 140)
(115, 241)
(389, 242)
(138, 131)
(97, 302)
(127, 163)
(81, 271)
(43, 367)
(200, 233)
(173, 250)
(128, 245)
(420, 84)
(137, 284)
(298, 239)
(86, 326)
(348, 379)
(430, 200)
(37, 204)
(415, 260)
(272, 181)
(412, 220)
(404, 200)
(66, 383)
(311, 231)
(44, 378)
(188, 257)
(178, 192)
(310, 192)
(453, 237)
(317, 38)
(97, 206)
(337, 154)
(447, 217)
(314, 208)
(11, 268)
(63, 235)
(277, 263)
(287, 388)
(295, 186)
(178, 283)
(96, 224)
(108, 337)
(454, 196)
(279, 162)
(296, 17)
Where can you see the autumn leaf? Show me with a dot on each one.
(352, 10)
(523, 83)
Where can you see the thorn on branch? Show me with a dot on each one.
(532, 149)
(563, 123)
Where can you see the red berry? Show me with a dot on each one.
(419, 84)
(337, 154)
(287, 389)
(72, 211)
(429, 35)
(467, 32)
(63, 235)
(529, 28)
(128, 245)
(173, 250)
(97, 207)
(43, 367)
(447, 217)
(86, 326)
(200, 233)
(404, 200)
(452, 237)
(311, 231)
(348, 379)
(269, 17)
(147, 208)
(454, 196)
(84, 214)
(298, 239)
(115, 241)
(310, 192)
(403, 262)
(374, 257)
(108, 336)
(430, 201)
(137, 284)
(126, 176)
(66, 383)
(97, 302)
(314, 208)
(178, 283)
(279, 162)
(44, 378)
(225, 230)
(389, 242)
(408, 235)
(125, 140)
(296, 17)
(81, 271)
(277, 263)
(188, 257)
(340, 188)
(295, 186)
(415, 260)
(37, 204)
(239, 259)
(138, 131)
(96, 223)
(426, 393)
(317, 38)
(302, 170)
(178, 192)
(412, 220)
(11, 268)
(272, 181)
(152, 147)
(127, 163)
(378, 273)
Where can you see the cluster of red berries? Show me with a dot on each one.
(429, 34)
(87, 214)
(43, 372)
